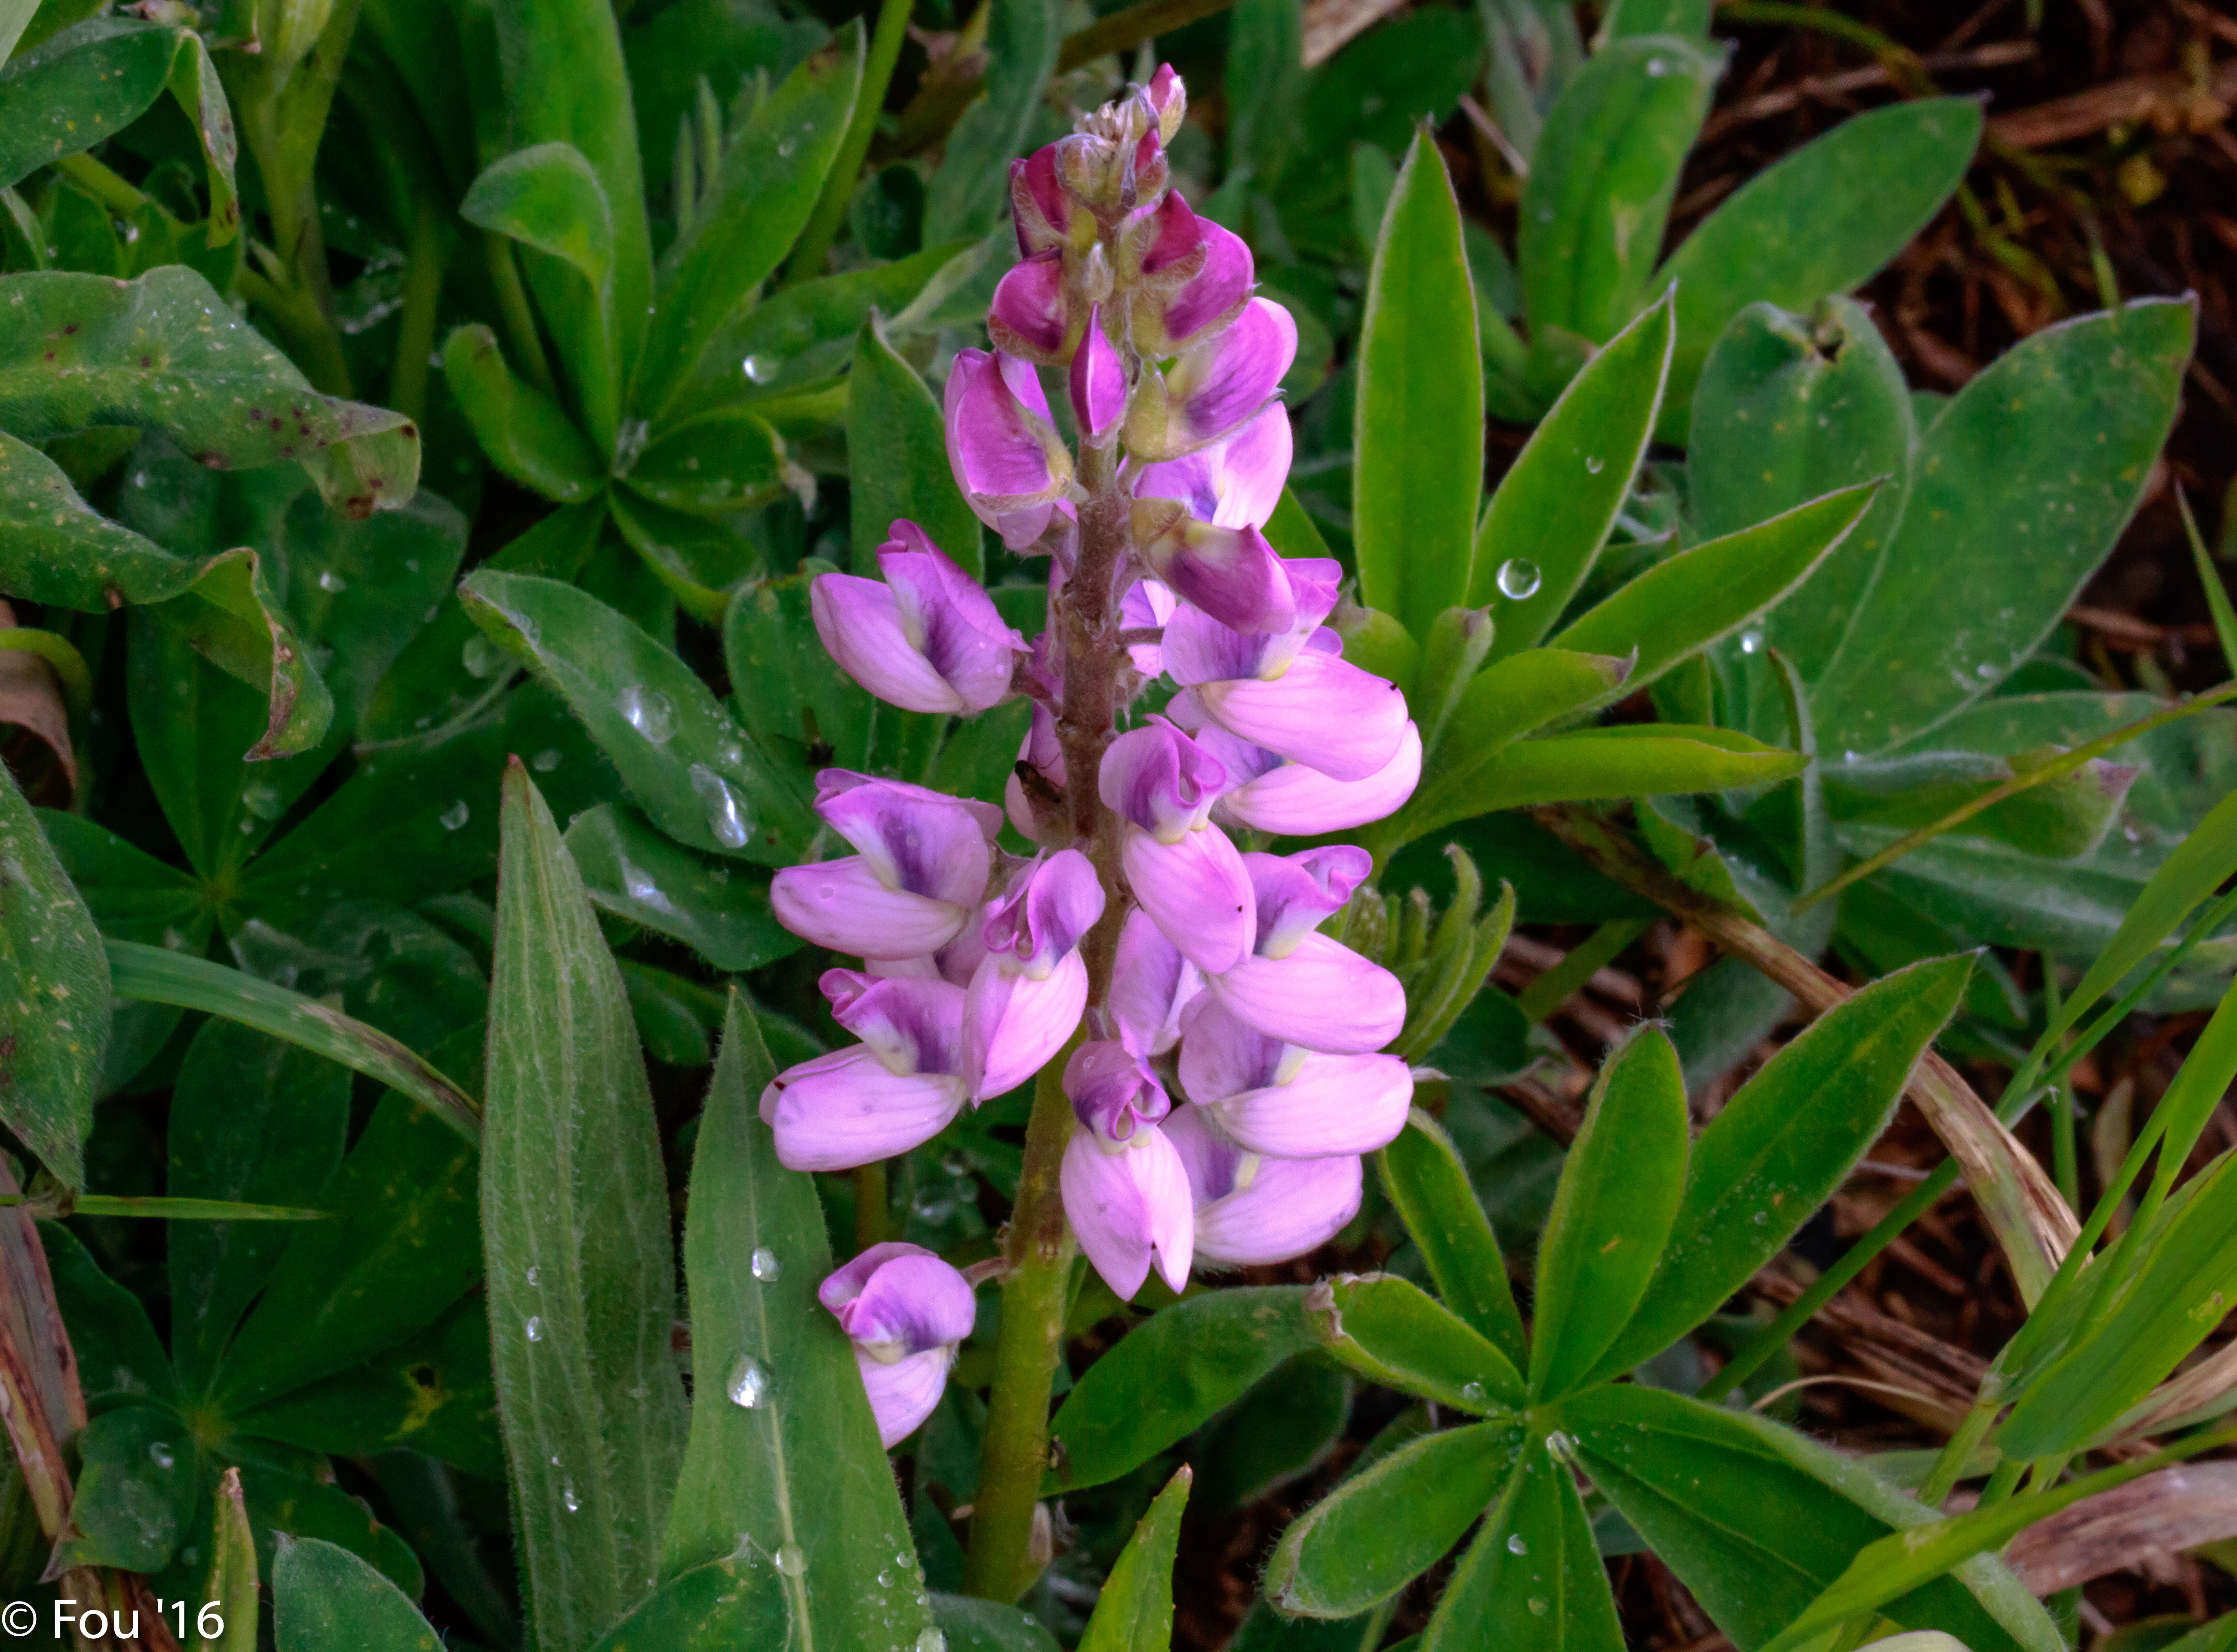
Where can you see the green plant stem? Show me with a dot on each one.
(869, 1205)
(2001, 1481)
(1942, 1477)
(806, 261)
(107, 1204)
(2056, 769)
(104, 185)
(423, 293)
(1552, 990)
(2065, 1161)
(518, 314)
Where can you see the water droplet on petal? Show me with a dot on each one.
(749, 1382)
(1516, 1543)
(727, 816)
(791, 1560)
(1519, 579)
(651, 712)
(766, 1266)
(535, 1328)
(455, 816)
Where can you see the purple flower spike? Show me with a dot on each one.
(1234, 483)
(1321, 710)
(1124, 1189)
(905, 1311)
(1007, 460)
(1196, 891)
(894, 1091)
(921, 872)
(1029, 317)
(1273, 1098)
(1188, 276)
(1152, 986)
(1297, 891)
(1252, 1211)
(1232, 574)
(1097, 381)
(1215, 386)
(1296, 801)
(927, 639)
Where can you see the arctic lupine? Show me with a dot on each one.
(905, 1311)
(1221, 1073)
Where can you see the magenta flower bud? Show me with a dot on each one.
(905, 1311)
(1030, 317)
(894, 1091)
(1215, 385)
(920, 873)
(1045, 216)
(1098, 382)
(1274, 1098)
(1234, 483)
(1187, 277)
(1296, 801)
(1200, 647)
(928, 638)
(1252, 1211)
(1232, 574)
(1001, 446)
(1152, 984)
(1025, 997)
(1168, 95)
(1124, 1189)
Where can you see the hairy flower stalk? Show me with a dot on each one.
(1207, 1062)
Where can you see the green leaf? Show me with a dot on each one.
(734, 1602)
(1601, 179)
(53, 1008)
(106, 73)
(166, 353)
(700, 778)
(1418, 425)
(1755, 1519)
(1134, 1612)
(1680, 606)
(575, 1234)
(987, 1626)
(2060, 819)
(1554, 510)
(1170, 1375)
(771, 173)
(1625, 18)
(565, 83)
(289, 1502)
(716, 464)
(233, 1582)
(2020, 488)
(1422, 1174)
(119, 1356)
(783, 1448)
(2173, 1298)
(1613, 1212)
(1373, 1534)
(1391, 1332)
(255, 1120)
(1629, 759)
(1821, 221)
(1783, 1144)
(157, 975)
(699, 562)
(526, 434)
(1532, 1581)
(547, 197)
(398, 1250)
(966, 194)
(897, 455)
(803, 710)
(136, 1485)
(720, 910)
(324, 1599)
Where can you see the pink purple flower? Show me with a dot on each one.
(921, 873)
(1123, 1186)
(905, 1311)
(928, 638)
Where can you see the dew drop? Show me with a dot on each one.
(1474, 1393)
(651, 712)
(330, 581)
(1656, 69)
(1595, 464)
(531, 1276)
(1561, 1447)
(730, 754)
(567, 1496)
(1538, 1606)
(1752, 640)
(791, 1560)
(481, 657)
(765, 1265)
(163, 1456)
(262, 800)
(1516, 1544)
(1985, 669)
(545, 760)
(455, 816)
(785, 148)
(726, 812)
(1519, 579)
(749, 1382)
(762, 369)
(932, 1641)
(535, 1328)
(885, 1578)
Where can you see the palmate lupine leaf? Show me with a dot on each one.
(53, 1004)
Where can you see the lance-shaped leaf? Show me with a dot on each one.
(700, 560)
(1135, 1611)
(324, 1599)
(1811, 224)
(1613, 1210)
(548, 197)
(2022, 486)
(634, 871)
(770, 176)
(701, 778)
(729, 460)
(1417, 440)
(106, 73)
(1422, 1174)
(783, 1453)
(1533, 1580)
(734, 1602)
(897, 450)
(54, 1011)
(1379, 1529)
(55, 549)
(1755, 1519)
(1782, 1145)
(526, 434)
(1601, 179)
(575, 1238)
(1392, 1332)
(166, 353)
(233, 1569)
(1554, 509)
(1169, 1377)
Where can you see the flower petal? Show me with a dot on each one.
(1150, 985)
(1322, 996)
(1097, 382)
(1046, 911)
(1232, 573)
(906, 1392)
(954, 624)
(837, 1115)
(904, 1302)
(1334, 1105)
(911, 1024)
(1014, 1025)
(1288, 1207)
(859, 623)
(1028, 316)
(913, 838)
(1297, 800)
(1297, 891)
(1160, 780)
(1323, 710)
(1196, 892)
(843, 905)
(1234, 483)
(1128, 1206)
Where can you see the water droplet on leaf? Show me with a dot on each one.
(765, 1265)
(749, 1382)
(1519, 579)
(481, 657)
(1516, 1543)
(535, 1328)
(163, 1456)
(262, 800)
(791, 1560)
(1752, 640)
(1595, 464)
(727, 817)
(932, 1641)
(455, 816)
(545, 760)
(762, 369)
(567, 1496)
(1538, 1606)
(330, 581)
(651, 712)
